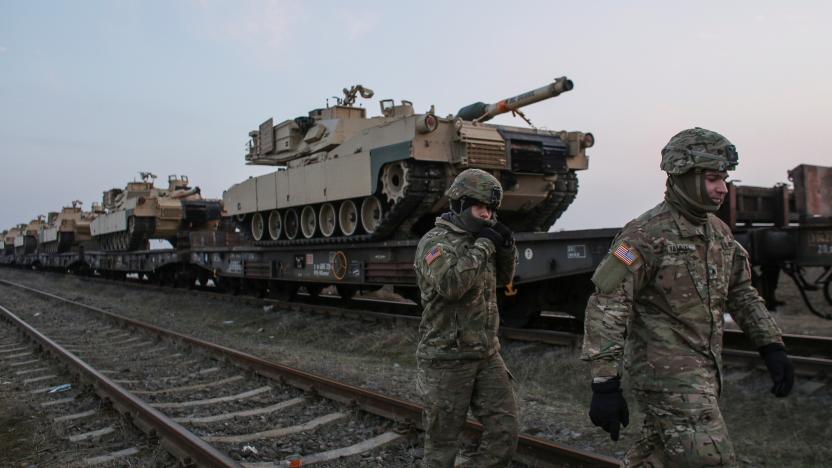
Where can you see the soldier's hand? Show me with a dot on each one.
(492, 235)
(608, 409)
(779, 367)
(508, 236)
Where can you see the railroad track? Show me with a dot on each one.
(811, 355)
(215, 406)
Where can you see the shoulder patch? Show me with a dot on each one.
(433, 254)
(609, 274)
(625, 254)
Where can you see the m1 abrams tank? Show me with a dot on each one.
(141, 212)
(27, 241)
(65, 229)
(342, 176)
(7, 239)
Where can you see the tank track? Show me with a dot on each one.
(62, 244)
(425, 186)
(129, 240)
(543, 216)
(566, 189)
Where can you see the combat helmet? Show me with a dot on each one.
(698, 148)
(476, 185)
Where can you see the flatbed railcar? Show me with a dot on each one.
(784, 230)
(552, 273)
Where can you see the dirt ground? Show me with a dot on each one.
(552, 382)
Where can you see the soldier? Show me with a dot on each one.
(670, 276)
(459, 264)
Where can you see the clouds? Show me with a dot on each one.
(259, 28)
(253, 25)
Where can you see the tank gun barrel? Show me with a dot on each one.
(482, 112)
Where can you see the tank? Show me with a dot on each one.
(343, 176)
(64, 229)
(139, 212)
(27, 241)
(7, 241)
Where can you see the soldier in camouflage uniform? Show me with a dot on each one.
(459, 265)
(670, 276)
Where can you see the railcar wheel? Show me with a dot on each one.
(348, 217)
(327, 219)
(308, 221)
(346, 291)
(258, 227)
(275, 225)
(371, 214)
(292, 224)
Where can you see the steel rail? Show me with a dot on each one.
(179, 439)
(811, 355)
(531, 450)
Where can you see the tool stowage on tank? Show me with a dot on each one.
(346, 177)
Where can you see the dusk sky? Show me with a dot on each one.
(93, 92)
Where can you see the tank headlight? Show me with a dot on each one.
(588, 140)
(427, 124)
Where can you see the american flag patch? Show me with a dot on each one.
(434, 253)
(627, 255)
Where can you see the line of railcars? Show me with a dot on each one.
(351, 195)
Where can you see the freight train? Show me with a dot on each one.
(351, 196)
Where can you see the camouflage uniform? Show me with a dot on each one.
(458, 353)
(664, 287)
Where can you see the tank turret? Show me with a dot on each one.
(127, 218)
(341, 174)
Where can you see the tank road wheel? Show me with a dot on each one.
(371, 213)
(326, 217)
(308, 221)
(292, 224)
(348, 217)
(275, 225)
(258, 227)
(394, 181)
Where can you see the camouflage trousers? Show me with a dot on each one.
(449, 388)
(681, 430)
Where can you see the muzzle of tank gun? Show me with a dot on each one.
(482, 112)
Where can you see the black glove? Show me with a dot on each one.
(608, 409)
(508, 236)
(779, 367)
(493, 236)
